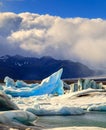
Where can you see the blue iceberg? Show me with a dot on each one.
(51, 85)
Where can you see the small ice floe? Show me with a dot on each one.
(48, 110)
(97, 107)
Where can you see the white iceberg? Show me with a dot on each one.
(51, 85)
(83, 84)
(97, 107)
(53, 110)
(9, 82)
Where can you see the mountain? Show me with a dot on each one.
(30, 68)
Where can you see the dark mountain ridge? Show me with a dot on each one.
(31, 68)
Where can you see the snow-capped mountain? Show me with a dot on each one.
(30, 68)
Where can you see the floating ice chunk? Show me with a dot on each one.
(97, 107)
(83, 84)
(51, 85)
(9, 82)
(48, 110)
(18, 117)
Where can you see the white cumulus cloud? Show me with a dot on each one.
(79, 39)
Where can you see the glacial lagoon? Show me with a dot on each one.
(95, 119)
(85, 95)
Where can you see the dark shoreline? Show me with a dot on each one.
(68, 81)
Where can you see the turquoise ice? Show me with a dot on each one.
(50, 85)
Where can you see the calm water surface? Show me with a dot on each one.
(97, 119)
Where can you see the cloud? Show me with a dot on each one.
(79, 39)
(9, 22)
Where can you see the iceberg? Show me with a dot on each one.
(83, 84)
(88, 83)
(50, 85)
(9, 82)
(53, 110)
(97, 107)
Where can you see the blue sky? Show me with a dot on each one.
(63, 8)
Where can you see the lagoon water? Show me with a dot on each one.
(97, 119)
